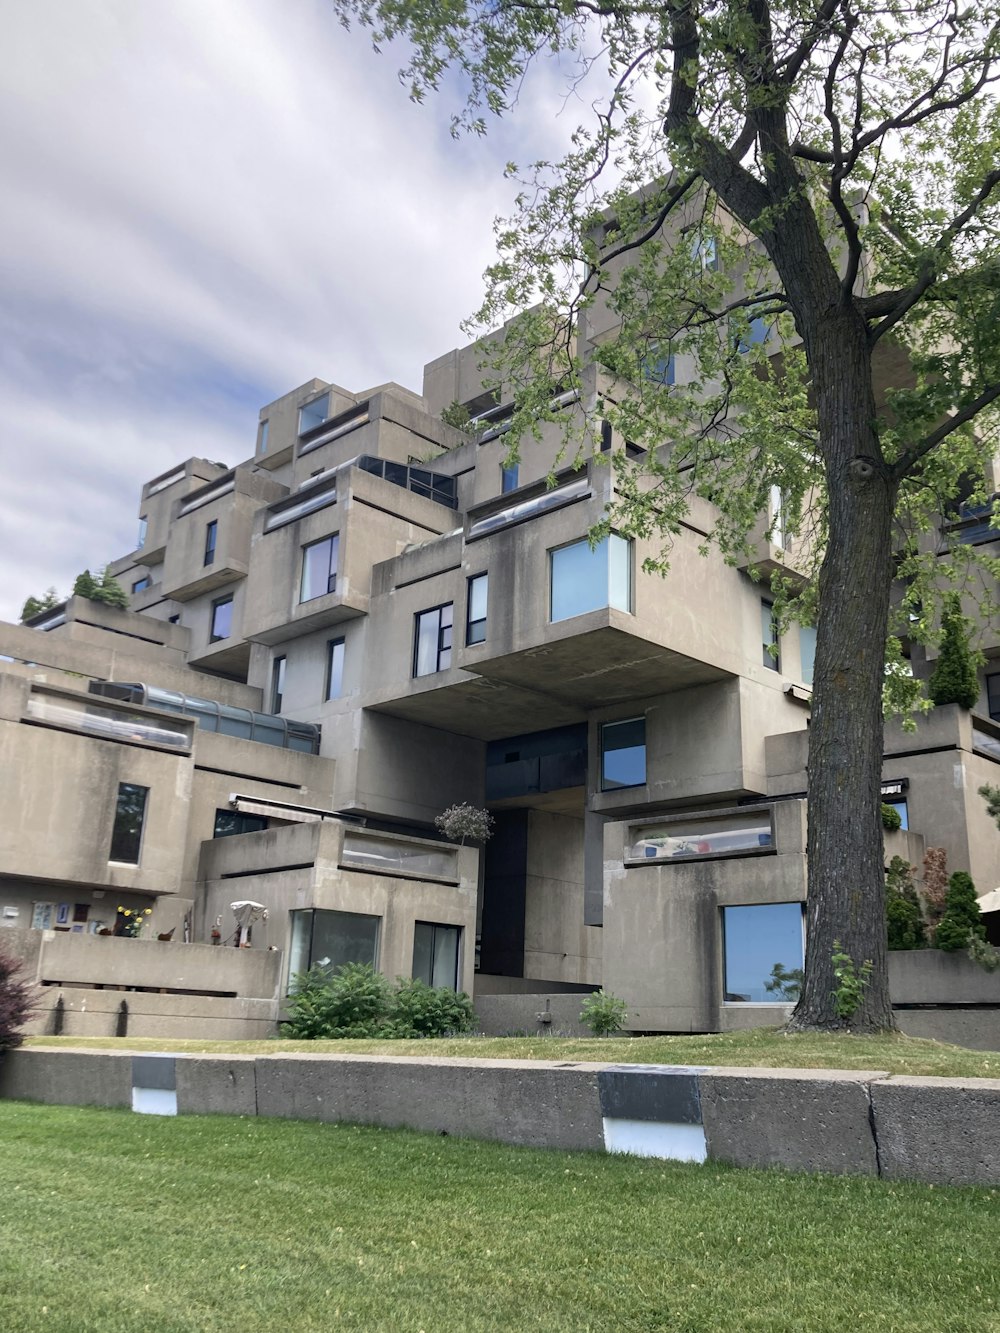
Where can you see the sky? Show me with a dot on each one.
(205, 203)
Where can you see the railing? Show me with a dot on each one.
(391, 856)
(686, 839)
(104, 720)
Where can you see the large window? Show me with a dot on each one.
(335, 668)
(278, 683)
(475, 619)
(769, 636)
(763, 948)
(319, 568)
(623, 754)
(435, 954)
(230, 822)
(585, 578)
(211, 537)
(222, 619)
(432, 640)
(331, 939)
(130, 812)
(314, 413)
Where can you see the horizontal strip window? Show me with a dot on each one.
(169, 480)
(420, 480)
(206, 497)
(106, 722)
(499, 415)
(539, 504)
(334, 430)
(299, 507)
(725, 836)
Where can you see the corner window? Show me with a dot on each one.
(140, 585)
(331, 939)
(130, 812)
(222, 619)
(623, 754)
(277, 684)
(807, 653)
(475, 622)
(143, 528)
(769, 636)
(314, 413)
(993, 696)
(432, 640)
(584, 578)
(763, 951)
(334, 668)
(228, 823)
(262, 438)
(211, 535)
(319, 568)
(508, 478)
(435, 954)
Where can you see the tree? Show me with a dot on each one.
(34, 605)
(904, 921)
(991, 795)
(15, 1001)
(962, 920)
(954, 679)
(801, 202)
(110, 591)
(86, 585)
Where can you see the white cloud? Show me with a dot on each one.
(204, 205)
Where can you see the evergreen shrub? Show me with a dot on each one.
(962, 920)
(954, 680)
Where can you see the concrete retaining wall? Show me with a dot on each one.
(943, 1131)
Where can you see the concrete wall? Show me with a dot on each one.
(558, 946)
(941, 1131)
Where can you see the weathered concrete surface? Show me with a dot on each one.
(799, 1119)
(95, 1013)
(540, 1015)
(978, 1029)
(931, 976)
(216, 1085)
(942, 1130)
(529, 1103)
(67, 1077)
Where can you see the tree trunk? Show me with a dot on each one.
(846, 885)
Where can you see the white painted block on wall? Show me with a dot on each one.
(649, 1138)
(154, 1101)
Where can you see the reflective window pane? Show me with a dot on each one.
(623, 754)
(319, 568)
(314, 413)
(130, 812)
(763, 953)
(620, 573)
(343, 937)
(222, 619)
(335, 668)
(435, 954)
(807, 652)
(433, 640)
(579, 579)
(475, 630)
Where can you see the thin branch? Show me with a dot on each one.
(906, 461)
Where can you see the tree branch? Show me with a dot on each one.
(906, 461)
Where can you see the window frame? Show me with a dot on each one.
(434, 927)
(143, 531)
(118, 832)
(217, 605)
(278, 667)
(313, 402)
(730, 907)
(334, 669)
(442, 648)
(140, 585)
(211, 541)
(332, 540)
(610, 785)
(509, 477)
(262, 435)
(771, 661)
(607, 603)
(471, 624)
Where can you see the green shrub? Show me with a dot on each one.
(15, 1001)
(891, 818)
(603, 1013)
(852, 982)
(954, 680)
(904, 921)
(984, 954)
(357, 1001)
(419, 1010)
(962, 920)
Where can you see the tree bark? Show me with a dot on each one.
(846, 880)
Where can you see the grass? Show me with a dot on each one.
(115, 1223)
(758, 1048)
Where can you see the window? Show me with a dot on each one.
(140, 585)
(763, 949)
(435, 954)
(143, 527)
(807, 652)
(126, 837)
(752, 334)
(211, 534)
(230, 822)
(706, 248)
(725, 835)
(899, 805)
(776, 519)
(993, 696)
(432, 646)
(769, 636)
(331, 939)
(584, 578)
(262, 438)
(319, 568)
(475, 615)
(222, 619)
(314, 414)
(335, 668)
(277, 684)
(623, 754)
(508, 478)
(658, 367)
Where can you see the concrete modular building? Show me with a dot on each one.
(374, 618)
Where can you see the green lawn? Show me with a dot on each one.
(761, 1047)
(112, 1222)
